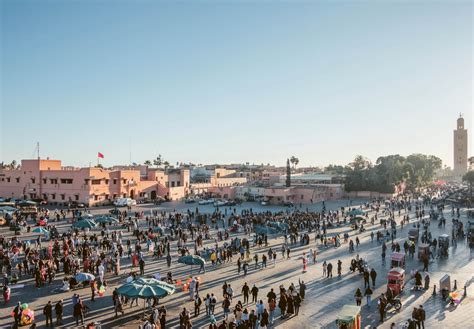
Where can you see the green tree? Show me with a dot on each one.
(469, 178)
(147, 163)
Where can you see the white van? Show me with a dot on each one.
(124, 202)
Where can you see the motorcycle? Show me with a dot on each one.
(395, 303)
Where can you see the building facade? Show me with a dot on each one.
(49, 180)
(460, 148)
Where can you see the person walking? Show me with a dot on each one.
(324, 268)
(254, 292)
(93, 285)
(415, 317)
(141, 264)
(382, 304)
(368, 294)
(226, 307)
(48, 313)
(290, 308)
(366, 278)
(246, 268)
(197, 305)
(282, 304)
(118, 307)
(302, 288)
(264, 321)
(358, 297)
(78, 312)
(245, 292)
(373, 276)
(329, 268)
(339, 267)
(421, 317)
(58, 308)
(297, 303)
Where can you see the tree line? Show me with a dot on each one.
(415, 170)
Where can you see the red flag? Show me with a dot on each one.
(100, 155)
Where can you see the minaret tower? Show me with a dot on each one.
(460, 148)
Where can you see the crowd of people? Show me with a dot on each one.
(221, 237)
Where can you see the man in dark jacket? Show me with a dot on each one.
(415, 317)
(366, 279)
(254, 292)
(297, 303)
(373, 276)
(421, 317)
(271, 295)
(59, 312)
(382, 305)
(245, 292)
(329, 268)
(48, 313)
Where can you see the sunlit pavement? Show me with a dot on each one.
(324, 297)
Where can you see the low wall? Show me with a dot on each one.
(368, 195)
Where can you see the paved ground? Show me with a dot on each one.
(325, 297)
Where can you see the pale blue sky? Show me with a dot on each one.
(212, 81)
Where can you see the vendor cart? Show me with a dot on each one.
(349, 317)
(423, 251)
(396, 280)
(414, 234)
(443, 245)
(398, 259)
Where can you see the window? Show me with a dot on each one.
(54, 181)
(302, 196)
(96, 197)
(124, 181)
(66, 181)
(18, 179)
(76, 197)
(53, 196)
(96, 182)
(178, 183)
(86, 181)
(45, 180)
(115, 181)
(172, 184)
(63, 196)
(8, 179)
(107, 181)
(33, 180)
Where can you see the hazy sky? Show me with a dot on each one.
(238, 81)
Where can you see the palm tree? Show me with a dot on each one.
(166, 164)
(158, 162)
(13, 165)
(294, 160)
(469, 178)
(147, 163)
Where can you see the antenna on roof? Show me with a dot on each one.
(38, 147)
(130, 150)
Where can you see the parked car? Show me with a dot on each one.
(76, 205)
(40, 201)
(124, 202)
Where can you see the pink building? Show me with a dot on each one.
(47, 179)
